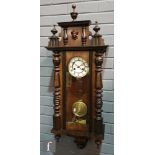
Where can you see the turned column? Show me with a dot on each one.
(83, 36)
(65, 37)
(98, 97)
(57, 114)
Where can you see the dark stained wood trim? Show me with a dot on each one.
(79, 48)
(74, 23)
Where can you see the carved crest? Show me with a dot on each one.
(74, 35)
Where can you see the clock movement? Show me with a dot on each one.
(78, 62)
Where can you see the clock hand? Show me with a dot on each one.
(76, 64)
(82, 64)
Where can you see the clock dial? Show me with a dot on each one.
(78, 67)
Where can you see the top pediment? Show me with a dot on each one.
(75, 33)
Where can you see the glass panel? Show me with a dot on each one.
(77, 97)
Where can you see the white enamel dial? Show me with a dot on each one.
(78, 67)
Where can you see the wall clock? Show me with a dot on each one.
(78, 58)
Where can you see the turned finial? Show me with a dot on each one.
(97, 36)
(54, 40)
(54, 30)
(74, 14)
(96, 28)
(73, 6)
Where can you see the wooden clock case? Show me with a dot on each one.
(74, 40)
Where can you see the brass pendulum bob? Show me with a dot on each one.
(79, 109)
